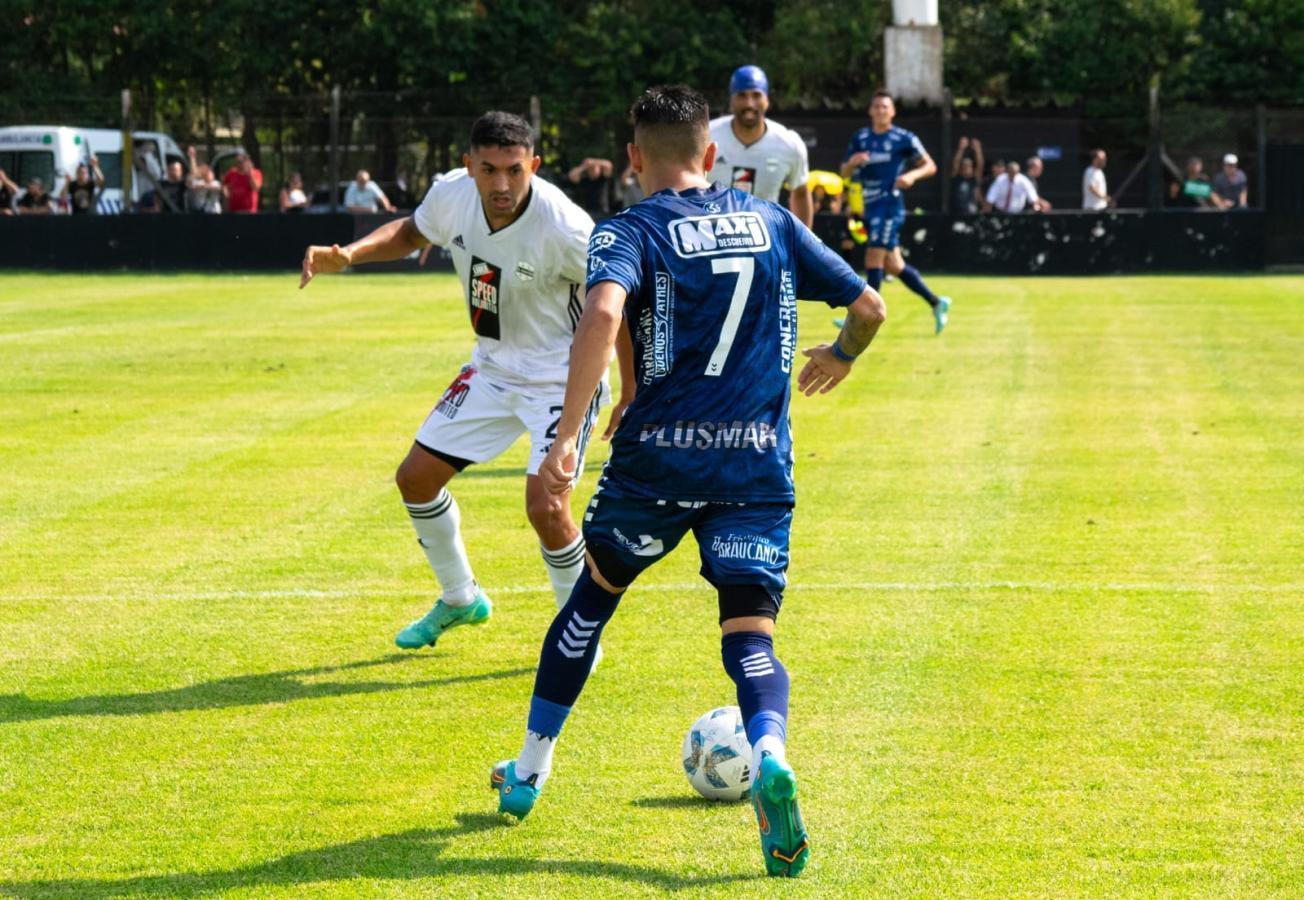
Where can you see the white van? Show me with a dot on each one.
(48, 152)
(152, 151)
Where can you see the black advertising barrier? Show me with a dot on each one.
(1057, 243)
(1075, 243)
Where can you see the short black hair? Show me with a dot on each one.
(672, 120)
(501, 129)
(881, 92)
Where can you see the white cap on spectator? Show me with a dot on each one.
(1230, 159)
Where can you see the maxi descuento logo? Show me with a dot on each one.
(735, 232)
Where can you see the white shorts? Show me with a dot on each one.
(477, 419)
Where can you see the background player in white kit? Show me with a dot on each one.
(520, 250)
(756, 155)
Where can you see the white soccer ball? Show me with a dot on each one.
(717, 757)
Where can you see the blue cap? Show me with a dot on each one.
(749, 78)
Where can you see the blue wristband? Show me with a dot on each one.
(838, 352)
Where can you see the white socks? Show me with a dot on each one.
(535, 758)
(564, 568)
(438, 526)
(768, 743)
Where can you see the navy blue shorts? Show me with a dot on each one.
(883, 223)
(739, 544)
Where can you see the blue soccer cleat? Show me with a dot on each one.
(515, 796)
(784, 842)
(425, 631)
(941, 312)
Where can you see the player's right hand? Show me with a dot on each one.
(558, 469)
(320, 260)
(859, 159)
(823, 372)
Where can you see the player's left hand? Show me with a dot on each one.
(903, 182)
(823, 372)
(614, 418)
(558, 469)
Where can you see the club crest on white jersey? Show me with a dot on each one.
(723, 233)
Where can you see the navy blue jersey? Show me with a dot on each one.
(888, 154)
(713, 276)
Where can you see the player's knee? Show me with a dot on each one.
(414, 483)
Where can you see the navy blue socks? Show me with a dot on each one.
(911, 278)
(762, 689)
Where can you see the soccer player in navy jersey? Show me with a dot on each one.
(708, 279)
(877, 158)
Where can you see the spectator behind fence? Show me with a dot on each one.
(241, 184)
(203, 190)
(1012, 192)
(1230, 186)
(628, 190)
(80, 190)
(1192, 190)
(362, 195)
(293, 199)
(1035, 169)
(365, 196)
(966, 176)
(8, 191)
(1094, 194)
(589, 185)
(171, 191)
(35, 201)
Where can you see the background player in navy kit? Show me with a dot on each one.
(708, 278)
(875, 158)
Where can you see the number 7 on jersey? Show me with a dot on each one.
(745, 268)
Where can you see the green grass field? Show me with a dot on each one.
(1046, 627)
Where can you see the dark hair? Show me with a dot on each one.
(673, 120)
(670, 104)
(881, 92)
(501, 129)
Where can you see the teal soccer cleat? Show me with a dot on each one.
(515, 797)
(941, 312)
(784, 842)
(425, 631)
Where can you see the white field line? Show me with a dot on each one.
(1041, 587)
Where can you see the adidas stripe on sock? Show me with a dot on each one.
(564, 566)
(438, 527)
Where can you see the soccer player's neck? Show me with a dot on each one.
(748, 136)
(673, 177)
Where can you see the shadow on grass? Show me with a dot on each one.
(687, 801)
(405, 855)
(238, 690)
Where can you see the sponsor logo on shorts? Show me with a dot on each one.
(721, 233)
(646, 545)
(751, 547)
(693, 435)
(482, 298)
(455, 393)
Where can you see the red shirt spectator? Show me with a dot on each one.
(241, 184)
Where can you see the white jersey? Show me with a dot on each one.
(762, 168)
(523, 283)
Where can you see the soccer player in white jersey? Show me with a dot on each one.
(520, 250)
(756, 155)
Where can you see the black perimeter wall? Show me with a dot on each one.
(1059, 243)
